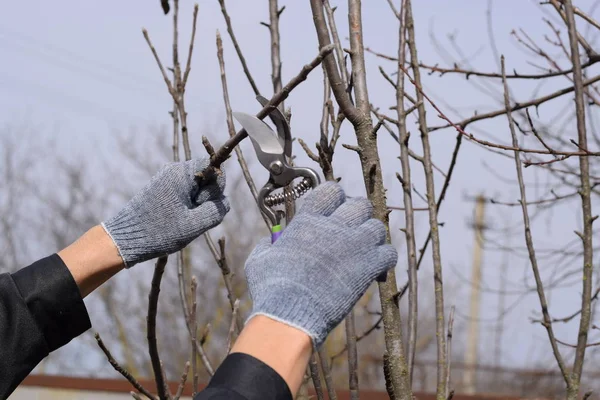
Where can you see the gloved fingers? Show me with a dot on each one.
(210, 213)
(354, 212)
(200, 165)
(324, 199)
(373, 232)
(209, 192)
(383, 258)
(263, 246)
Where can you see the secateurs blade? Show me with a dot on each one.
(273, 150)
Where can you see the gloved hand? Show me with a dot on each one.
(167, 214)
(322, 264)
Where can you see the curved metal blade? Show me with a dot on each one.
(266, 143)
(282, 125)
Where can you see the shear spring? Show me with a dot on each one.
(295, 193)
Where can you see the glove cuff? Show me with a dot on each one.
(294, 306)
(130, 238)
(127, 265)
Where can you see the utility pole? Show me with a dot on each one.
(499, 331)
(471, 354)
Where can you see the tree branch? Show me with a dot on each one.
(181, 387)
(161, 385)
(238, 50)
(442, 356)
(231, 127)
(519, 106)
(449, 343)
(193, 319)
(409, 213)
(352, 356)
(586, 203)
(224, 151)
(529, 239)
(122, 370)
(336, 82)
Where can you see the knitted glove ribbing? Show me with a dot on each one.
(322, 264)
(168, 213)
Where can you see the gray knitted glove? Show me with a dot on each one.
(322, 264)
(167, 214)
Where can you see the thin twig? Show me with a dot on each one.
(337, 83)
(181, 387)
(449, 344)
(232, 325)
(327, 374)
(442, 356)
(520, 106)
(316, 376)
(186, 313)
(227, 278)
(231, 127)
(529, 240)
(338, 44)
(586, 202)
(409, 214)
(238, 50)
(161, 385)
(375, 326)
(459, 127)
(188, 66)
(352, 356)
(138, 386)
(223, 153)
(438, 204)
(275, 48)
(160, 66)
(193, 319)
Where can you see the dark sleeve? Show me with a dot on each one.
(40, 310)
(243, 377)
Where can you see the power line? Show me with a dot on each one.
(78, 104)
(110, 74)
(96, 63)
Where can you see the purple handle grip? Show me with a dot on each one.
(276, 231)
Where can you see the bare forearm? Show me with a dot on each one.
(283, 348)
(92, 260)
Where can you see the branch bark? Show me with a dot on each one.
(161, 385)
(409, 213)
(134, 382)
(586, 205)
(529, 239)
(360, 118)
(442, 355)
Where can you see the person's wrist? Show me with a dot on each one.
(282, 347)
(92, 259)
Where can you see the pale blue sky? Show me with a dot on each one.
(83, 69)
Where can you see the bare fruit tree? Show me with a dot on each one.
(346, 100)
(416, 318)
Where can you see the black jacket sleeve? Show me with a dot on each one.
(40, 310)
(243, 377)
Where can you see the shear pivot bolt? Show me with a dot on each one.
(276, 167)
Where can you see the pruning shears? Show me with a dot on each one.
(274, 150)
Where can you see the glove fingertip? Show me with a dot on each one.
(324, 199)
(388, 256)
